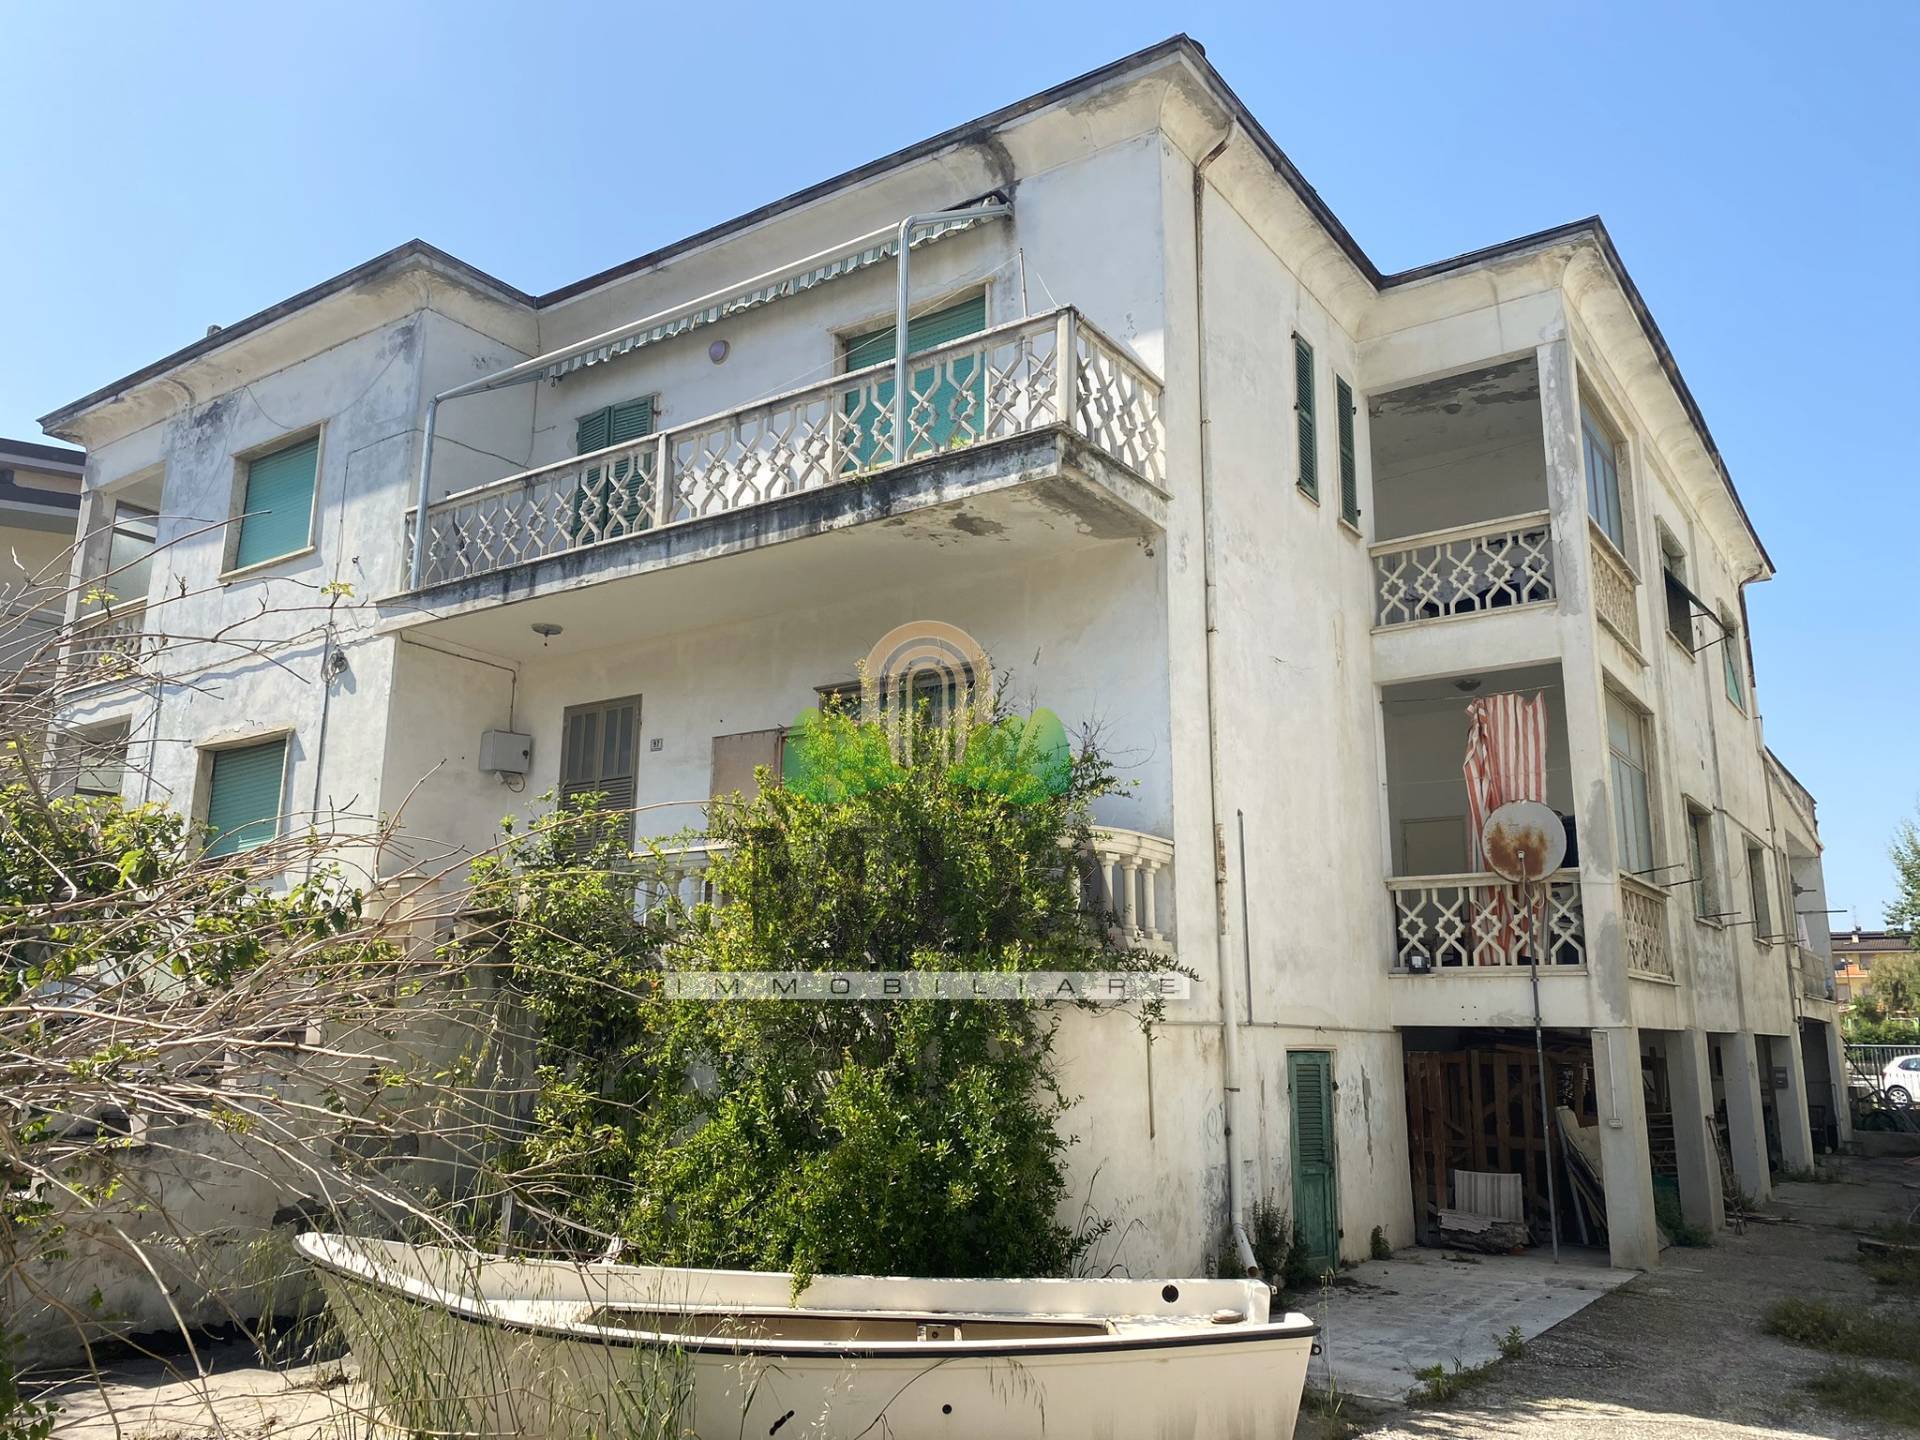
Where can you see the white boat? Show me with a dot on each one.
(457, 1342)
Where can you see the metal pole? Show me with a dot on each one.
(903, 286)
(1540, 1064)
(419, 569)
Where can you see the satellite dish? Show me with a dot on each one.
(1524, 841)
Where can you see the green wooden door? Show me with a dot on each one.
(1316, 1199)
(960, 390)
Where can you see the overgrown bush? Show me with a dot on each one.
(909, 1137)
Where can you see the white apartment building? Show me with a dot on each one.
(1199, 478)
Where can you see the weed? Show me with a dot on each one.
(1869, 1395)
(1513, 1344)
(1377, 1245)
(1438, 1384)
(1808, 1175)
(1823, 1326)
(1682, 1232)
(1893, 1267)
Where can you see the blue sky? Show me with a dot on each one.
(165, 167)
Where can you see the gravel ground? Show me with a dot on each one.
(1679, 1352)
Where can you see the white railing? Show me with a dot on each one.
(1131, 874)
(1614, 590)
(1002, 382)
(1467, 570)
(1643, 921)
(1459, 922)
(110, 647)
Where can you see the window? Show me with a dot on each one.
(1730, 662)
(1757, 881)
(1706, 904)
(243, 795)
(1632, 814)
(598, 753)
(1673, 566)
(130, 552)
(277, 504)
(1349, 465)
(604, 506)
(942, 694)
(1603, 480)
(1303, 417)
(97, 759)
(939, 400)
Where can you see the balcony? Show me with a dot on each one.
(1466, 922)
(1130, 872)
(1643, 921)
(1468, 570)
(109, 647)
(1041, 398)
(1615, 590)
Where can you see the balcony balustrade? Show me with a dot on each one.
(109, 647)
(1467, 570)
(1643, 916)
(1054, 371)
(1615, 591)
(1130, 877)
(1470, 922)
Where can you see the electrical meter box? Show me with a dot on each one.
(505, 753)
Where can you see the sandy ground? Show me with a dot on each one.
(1678, 1352)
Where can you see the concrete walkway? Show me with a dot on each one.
(1386, 1319)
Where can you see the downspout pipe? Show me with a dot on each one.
(525, 371)
(903, 240)
(1229, 998)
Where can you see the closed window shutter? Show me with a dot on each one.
(243, 796)
(1730, 664)
(629, 420)
(1303, 416)
(955, 322)
(1311, 1141)
(591, 432)
(1349, 466)
(278, 504)
(598, 754)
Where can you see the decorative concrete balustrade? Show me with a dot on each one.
(110, 647)
(1643, 921)
(1129, 876)
(1459, 922)
(1614, 590)
(1053, 371)
(1467, 570)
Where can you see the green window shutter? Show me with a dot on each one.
(955, 322)
(593, 432)
(278, 504)
(1303, 416)
(1730, 663)
(243, 796)
(1349, 465)
(629, 420)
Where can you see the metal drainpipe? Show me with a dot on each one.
(903, 285)
(425, 497)
(1229, 1000)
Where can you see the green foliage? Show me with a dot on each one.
(1438, 1384)
(1871, 1396)
(1377, 1245)
(1904, 912)
(21, 1417)
(1513, 1344)
(1820, 1325)
(1680, 1230)
(917, 1137)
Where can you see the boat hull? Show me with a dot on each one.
(432, 1367)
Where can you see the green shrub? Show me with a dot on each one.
(1377, 1245)
(1871, 1396)
(1820, 1325)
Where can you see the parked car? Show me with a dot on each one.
(1901, 1081)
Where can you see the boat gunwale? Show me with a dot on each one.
(464, 1309)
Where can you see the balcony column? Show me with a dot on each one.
(1580, 675)
(1837, 1080)
(1790, 1103)
(1746, 1118)
(1690, 1082)
(1632, 1237)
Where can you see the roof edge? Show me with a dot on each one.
(399, 255)
(54, 457)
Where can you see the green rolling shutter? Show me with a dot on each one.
(243, 796)
(1303, 416)
(1349, 465)
(278, 504)
(956, 322)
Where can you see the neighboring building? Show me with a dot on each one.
(1854, 954)
(39, 509)
(1193, 470)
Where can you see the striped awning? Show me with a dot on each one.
(795, 284)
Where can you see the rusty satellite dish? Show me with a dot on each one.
(1524, 841)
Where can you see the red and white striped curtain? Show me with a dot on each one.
(1506, 760)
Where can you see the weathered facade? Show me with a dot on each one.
(1194, 472)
